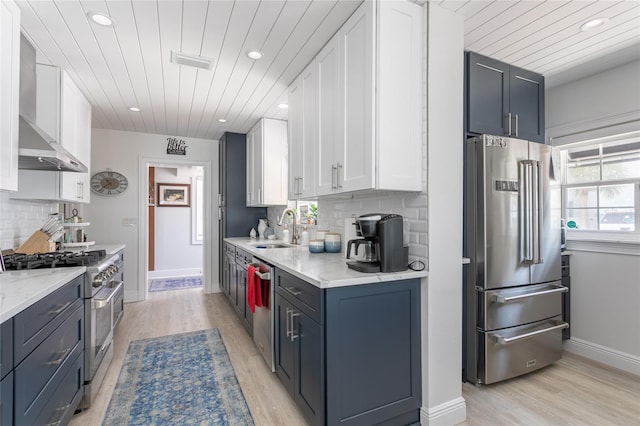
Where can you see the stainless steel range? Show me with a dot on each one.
(103, 305)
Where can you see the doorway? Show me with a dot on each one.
(206, 232)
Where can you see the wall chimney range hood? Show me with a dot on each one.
(36, 149)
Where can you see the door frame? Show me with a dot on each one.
(210, 216)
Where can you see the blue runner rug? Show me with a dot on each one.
(183, 379)
(175, 283)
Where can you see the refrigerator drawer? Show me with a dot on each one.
(519, 305)
(518, 350)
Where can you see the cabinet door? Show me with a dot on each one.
(327, 71)
(308, 86)
(487, 95)
(526, 104)
(294, 125)
(274, 162)
(257, 153)
(6, 400)
(285, 348)
(241, 283)
(309, 362)
(250, 170)
(9, 94)
(354, 167)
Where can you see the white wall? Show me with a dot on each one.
(119, 219)
(21, 218)
(175, 254)
(605, 288)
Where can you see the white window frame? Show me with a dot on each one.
(600, 236)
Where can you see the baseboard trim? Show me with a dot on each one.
(611, 357)
(174, 273)
(450, 413)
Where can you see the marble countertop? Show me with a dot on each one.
(21, 289)
(324, 270)
(109, 248)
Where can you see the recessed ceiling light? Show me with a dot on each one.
(222, 120)
(255, 54)
(134, 109)
(283, 106)
(593, 23)
(100, 19)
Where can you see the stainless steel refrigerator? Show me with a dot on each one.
(512, 307)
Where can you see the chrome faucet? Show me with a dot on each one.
(294, 232)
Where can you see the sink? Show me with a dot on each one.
(271, 245)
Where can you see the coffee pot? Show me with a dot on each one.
(383, 244)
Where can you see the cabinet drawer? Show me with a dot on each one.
(6, 351)
(230, 249)
(297, 291)
(6, 400)
(68, 393)
(35, 376)
(243, 257)
(35, 323)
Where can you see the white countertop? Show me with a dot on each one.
(324, 270)
(21, 289)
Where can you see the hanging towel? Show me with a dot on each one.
(251, 287)
(265, 291)
(258, 291)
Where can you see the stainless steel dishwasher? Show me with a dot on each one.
(263, 317)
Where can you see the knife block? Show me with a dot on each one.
(38, 242)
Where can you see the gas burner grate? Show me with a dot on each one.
(56, 259)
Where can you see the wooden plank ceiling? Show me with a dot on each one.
(129, 63)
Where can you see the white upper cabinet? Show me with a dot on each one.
(9, 94)
(302, 135)
(267, 168)
(367, 114)
(65, 114)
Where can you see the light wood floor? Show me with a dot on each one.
(573, 391)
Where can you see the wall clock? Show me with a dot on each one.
(109, 183)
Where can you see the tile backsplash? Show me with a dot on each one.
(333, 212)
(20, 218)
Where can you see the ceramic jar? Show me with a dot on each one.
(332, 242)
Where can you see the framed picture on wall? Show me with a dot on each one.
(174, 195)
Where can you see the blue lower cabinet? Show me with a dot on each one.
(63, 402)
(6, 400)
(6, 347)
(43, 372)
(361, 364)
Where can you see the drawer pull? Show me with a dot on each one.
(288, 326)
(60, 309)
(293, 291)
(501, 340)
(503, 299)
(61, 358)
(293, 315)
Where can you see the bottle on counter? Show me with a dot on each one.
(286, 236)
(304, 238)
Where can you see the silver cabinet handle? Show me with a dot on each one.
(516, 124)
(334, 177)
(289, 318)
(259, 200)
(60, 309)
(338, 175)
(509, 123)
(501, 340)
(61, 358)
(503, 299)
(293, 315)
(292, 291)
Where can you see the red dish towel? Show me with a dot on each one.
(258, 291)
(251, 287)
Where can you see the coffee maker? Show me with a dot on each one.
(383, 244)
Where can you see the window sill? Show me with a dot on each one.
(604, 242)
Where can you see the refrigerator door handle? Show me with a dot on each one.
(535, 212)
(540, 212)
(525, 199)
(501, 340)
(502, 299)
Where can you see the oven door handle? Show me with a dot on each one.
(101, 303)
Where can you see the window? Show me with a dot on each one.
(601, 185)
